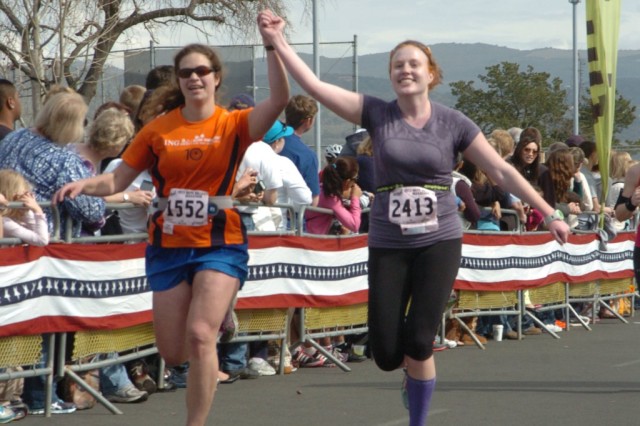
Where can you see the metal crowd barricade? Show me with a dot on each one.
(549, 298)
(271, 324)
(258, 325)
(317, 323)
(485, 303)
(126, 344)
(615, 289)
(27, 352)
(488, 303)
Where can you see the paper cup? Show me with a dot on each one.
(497, 332)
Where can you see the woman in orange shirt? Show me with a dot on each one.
(197, 255)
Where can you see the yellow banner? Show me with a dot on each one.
(603, 27)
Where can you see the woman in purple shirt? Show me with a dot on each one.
(415, 235)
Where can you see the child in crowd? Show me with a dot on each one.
(339, 193)
(30, 224)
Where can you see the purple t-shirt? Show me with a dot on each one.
(405, 155)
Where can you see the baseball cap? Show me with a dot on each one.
(277, 131)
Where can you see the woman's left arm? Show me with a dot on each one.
(504, 175)
(262, 117)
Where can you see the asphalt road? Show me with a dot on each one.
(585, 378)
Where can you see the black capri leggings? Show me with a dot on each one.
(423, 275)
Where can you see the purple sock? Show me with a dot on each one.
(419, 392)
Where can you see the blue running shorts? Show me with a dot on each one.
(168, 267)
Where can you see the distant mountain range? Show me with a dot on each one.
(464, 62)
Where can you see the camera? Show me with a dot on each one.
(259, 187)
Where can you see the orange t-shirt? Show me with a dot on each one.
(201, 156)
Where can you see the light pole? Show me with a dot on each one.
(317, 128)
(576, 70)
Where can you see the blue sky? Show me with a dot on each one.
(379, 25)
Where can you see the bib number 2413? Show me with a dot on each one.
(414, 209)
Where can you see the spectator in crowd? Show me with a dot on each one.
(294, 189)
(504, 142)
(353, 141)
(153, 105)
(365, 179)
(160, 76)
(579, 181)
(160, 82)
(300, 114)
(464, 196)
(526, 156)
(110, 131)
(195, 262)
(527, 160)
(620, 161)
(339, 192)
(515, 133)
(412, 256)
(131, 96)
(10, 107)
(591, 172)
(331, 153)
(556, 185)
(28, 224)
(41, 155)
(486, 194)
(258, 157)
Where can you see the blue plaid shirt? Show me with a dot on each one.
(48, 167)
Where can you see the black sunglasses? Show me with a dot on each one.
(200, 71)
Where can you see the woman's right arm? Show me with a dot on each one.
(100, 185)
(345, 103)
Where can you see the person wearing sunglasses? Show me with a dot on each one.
(415, 235)
(197, 256)
(526, 155)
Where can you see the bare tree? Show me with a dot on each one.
(69, 41)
